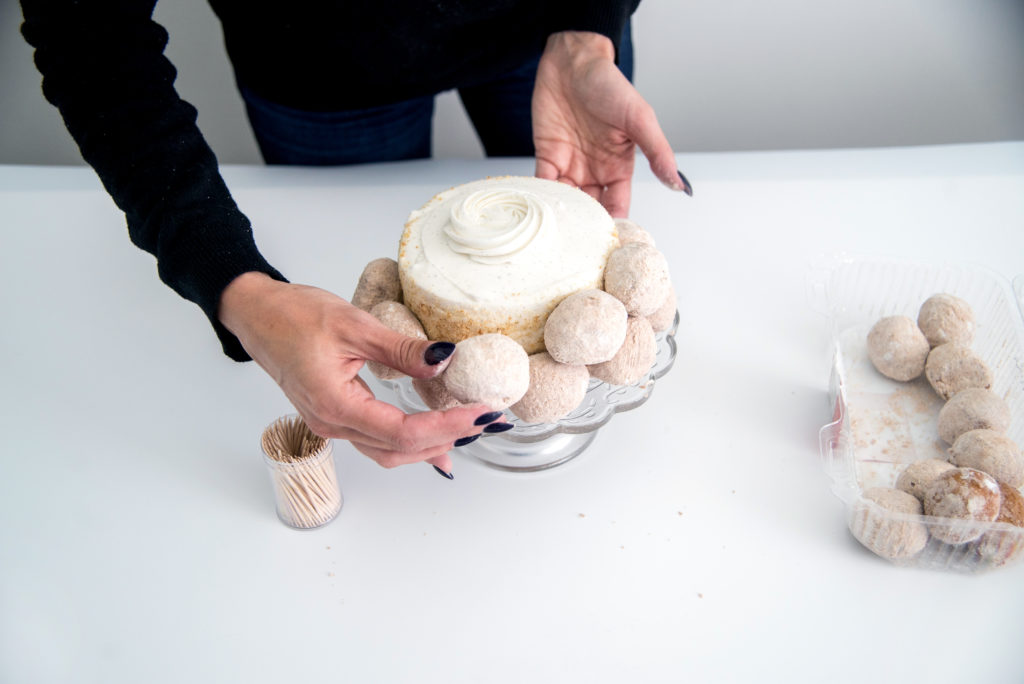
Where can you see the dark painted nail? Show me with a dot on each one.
(463, 441)
(447, 475)
(488, 418)
(687, 188)
(495, 428)
(438, 352)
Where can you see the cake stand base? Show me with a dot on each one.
(523, 457)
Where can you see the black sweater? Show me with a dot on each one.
(103, 67)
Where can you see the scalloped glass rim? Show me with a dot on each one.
(601, 402)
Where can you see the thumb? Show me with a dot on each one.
(413, 356)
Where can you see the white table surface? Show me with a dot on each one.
(696, 540)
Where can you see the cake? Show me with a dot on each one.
(497, 255)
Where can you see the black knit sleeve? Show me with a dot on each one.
(103, 67)
(607, 17)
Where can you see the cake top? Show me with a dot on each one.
(507, 237)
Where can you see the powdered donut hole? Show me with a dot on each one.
(916, 477)
(631, 232)
(637, 275)
(990, 452)
(555, 390)
(586, 327)
(634, 358)
(491, 369)
(399, 318)
(962, 494)
(434, 393)
(897, 348)
(945, 318)
(378, 283)
(884, 535)
(1001, 546)
(972, 409)
(951, 368)
(663, 318)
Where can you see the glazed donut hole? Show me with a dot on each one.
(964, 495)
(399, 318)
(378, 282)
(945, 318)
(491, 369)
(999, 546)
(897, 348)
(555, 390)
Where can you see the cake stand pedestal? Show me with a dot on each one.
(531, 447)
(524, 457)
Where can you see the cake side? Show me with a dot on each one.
(450, 321)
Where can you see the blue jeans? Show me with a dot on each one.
(498, 109)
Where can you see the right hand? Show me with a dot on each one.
(313, 343)
(588, 120)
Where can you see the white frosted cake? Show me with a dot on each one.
(497, 255)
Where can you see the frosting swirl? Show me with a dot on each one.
(492, 226)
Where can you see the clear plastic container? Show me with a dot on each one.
(879, 425)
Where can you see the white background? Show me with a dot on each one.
(727, 75)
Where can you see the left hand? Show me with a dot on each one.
(588, 119)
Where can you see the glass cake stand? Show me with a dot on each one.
(538, 446)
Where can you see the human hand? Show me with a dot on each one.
(588, 119)
(313, 344)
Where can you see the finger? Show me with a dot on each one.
(568, 180)
(334, 431)
(644, 130)
(348, 434)
(354, 413)
(326, 416)
(442, 462)
(546, 170)
(615, 198)
(410, 355)
(410, 432)
(392, 459)
(592, 190)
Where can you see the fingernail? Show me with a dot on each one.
(687, 188)
(463, 441)
(486, 418)
(438, 352)
(498, 427)
(447, 475)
